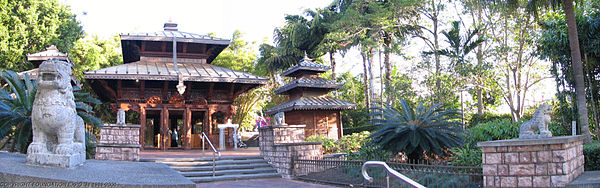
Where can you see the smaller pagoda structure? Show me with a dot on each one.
(309, 103)
(37, 58)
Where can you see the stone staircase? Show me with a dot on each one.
(200, 170)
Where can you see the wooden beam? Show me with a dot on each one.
(165, 93)
(110, 90)
(143, 46)
(164, 47)
(185, 47)
(210, 91)
(243, 89)
(119, 89)
(231, 97)
(142, 89)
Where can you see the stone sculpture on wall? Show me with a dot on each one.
(120, 117)
(539, 122)
(279, 119)
(58, 132)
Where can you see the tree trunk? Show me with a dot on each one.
(577, 71)
(388, 66)
(366, 80)
(332, 60)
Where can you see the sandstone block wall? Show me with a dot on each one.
(119, 143)
(552, 162)
(279, 145)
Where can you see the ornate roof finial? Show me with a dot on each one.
(306, 57)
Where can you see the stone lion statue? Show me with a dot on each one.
(540, 121)
(57, 129)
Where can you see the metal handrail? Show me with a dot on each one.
(215, 152)
(388, 171)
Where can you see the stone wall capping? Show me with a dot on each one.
(126, 125)
(522, 142)
(298, 144)
(119, 145)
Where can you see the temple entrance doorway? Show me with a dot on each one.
(152, 129)
(199, 123)
(175, 129)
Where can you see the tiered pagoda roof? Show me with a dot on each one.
(195, 53)
(306, 72)
(37, 58)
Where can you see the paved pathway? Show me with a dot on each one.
(261, 183)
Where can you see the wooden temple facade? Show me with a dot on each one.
(309, 103)
(149, 80)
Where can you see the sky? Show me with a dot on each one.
(256, 18)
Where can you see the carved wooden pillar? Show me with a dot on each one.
(142, 125)
(187, 131)
(164, 128)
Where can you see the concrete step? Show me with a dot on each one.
(221, 167)
(228, 172)
(233, 177)
(209, 163)
(196, 159)
(587, 179)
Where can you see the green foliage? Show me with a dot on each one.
(238, 55)
(415, 131)
(354, 141)
(347, 143)
(93, 53)
(553, 45)
(370, 153)
(476, 119)
(16, 102)
(356, 120)
(29, 26)
(499, 129)
(329, 145)
(592, 156)
(466, 156)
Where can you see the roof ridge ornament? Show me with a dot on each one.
(170, 26)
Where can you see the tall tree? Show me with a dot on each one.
(29, 26)
(575, 59)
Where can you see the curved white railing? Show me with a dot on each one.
(389, 171)
(215, 152)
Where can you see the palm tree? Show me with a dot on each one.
(416, 131)
(16, 102)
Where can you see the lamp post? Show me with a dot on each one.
(462, 108)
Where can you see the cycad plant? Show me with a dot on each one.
(16, 102)
(416, 131)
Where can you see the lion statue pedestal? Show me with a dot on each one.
(58, 132)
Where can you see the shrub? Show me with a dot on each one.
(592, 156)
(328, 144)
(486, 117)
(494, 130)
(370, 153)
(350, 143)
(466, 156)
(353, 142)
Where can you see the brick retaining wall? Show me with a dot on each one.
(278, 145)
(551, 162)
(119, 143)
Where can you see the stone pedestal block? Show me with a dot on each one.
(48, 159)
(119, 143)
(548, 162)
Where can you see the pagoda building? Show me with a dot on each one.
(167, 78)
(37, 58)
(309, 103)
